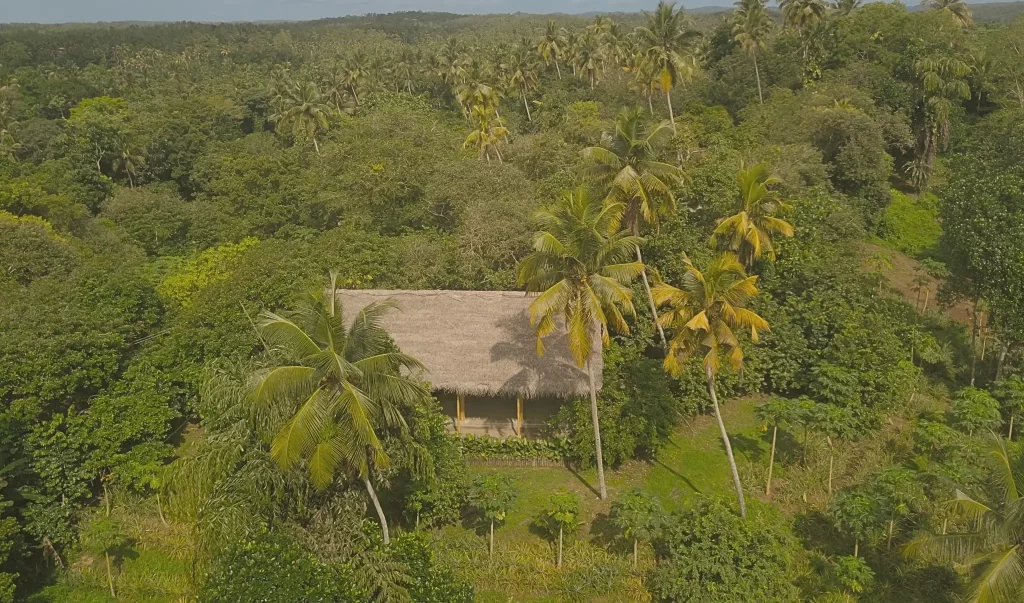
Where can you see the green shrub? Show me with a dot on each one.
(707, 552)
(484, 447)
(911, 225)
(272, 569)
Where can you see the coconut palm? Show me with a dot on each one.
(339, 384)
(405, 68)
(301, 109)
(450, 63)
(749, 232)
(751, 26)
(803, 14)
(667, 40)
(957, 8)
(943, 86)
(993, 550)
(486, 137)
(355, 69)
(845, 7)
(552, 46)
(127, 161)
(590, 58)
(521, 76)
(627, 163)
(703, 314)
(582, 269)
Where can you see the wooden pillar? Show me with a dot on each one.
(459, 413)
(519, 416)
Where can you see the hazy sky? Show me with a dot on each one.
(62, 11)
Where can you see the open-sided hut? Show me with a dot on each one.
(480, 354)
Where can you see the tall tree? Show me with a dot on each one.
(301, 109)
(551, 47)
(958, 9)
(582, 268)
(521, 76)
(628, 164)
(801, 14)
(703, 313)
(994, 547)
(943, 86)
(751, 26)
(486, 136)
(340, 384)
(749, 232)
(667, 42)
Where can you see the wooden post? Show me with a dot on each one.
(519, 416)
(458, 413)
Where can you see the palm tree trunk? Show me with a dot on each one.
(160, 510)
(671, 115)
(316, 146)
(636, 553)
(888, 541)
(380, 511)
(999, 363)
(527, 105)
(974, 342)
(650, 300)
(856, 547)
(490, 548)
(771, 462)
(558, 69)
(558, 563)
(757, 74)
(597, 431)
(110, 576)
(650, 103)
(728, 446)
(924, 308)
(1009, 436)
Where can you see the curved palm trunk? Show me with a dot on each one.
(597, 433)
(558, 69)
(380, 511)
(728, 445)
(650, 300)
(757, 74)
(527, 105)
(671, 115)
(316, 145)
(771, 462)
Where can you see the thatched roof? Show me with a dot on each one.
(479, 343)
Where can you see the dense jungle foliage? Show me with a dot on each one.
(825, 204)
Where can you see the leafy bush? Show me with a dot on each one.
(429, 583)
(706, 552)
(911, 225)
(485, 447)
(975, 409)
(272, 569)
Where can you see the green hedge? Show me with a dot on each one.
(520, 448)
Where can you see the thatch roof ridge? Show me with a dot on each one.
(478, 342)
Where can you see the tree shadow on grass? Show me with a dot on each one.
(605, 534)
(816, 532)
(748, 447)
(577, 475)
(682, 477)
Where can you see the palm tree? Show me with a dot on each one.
(552, 46)
(405, 68)
(944, 85)
(301, 110)
(749, 232)
(751, 26)
(993, 551)
(521, 76)
(450, 63)
(127, 161)
(590, 58)
(582, 271)
(667, 40)
(354, 71)
(340, 386)
(845, 7)
(959, 10)
(627, 163)
(802, 14)
(485, 137)
(703, 313)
